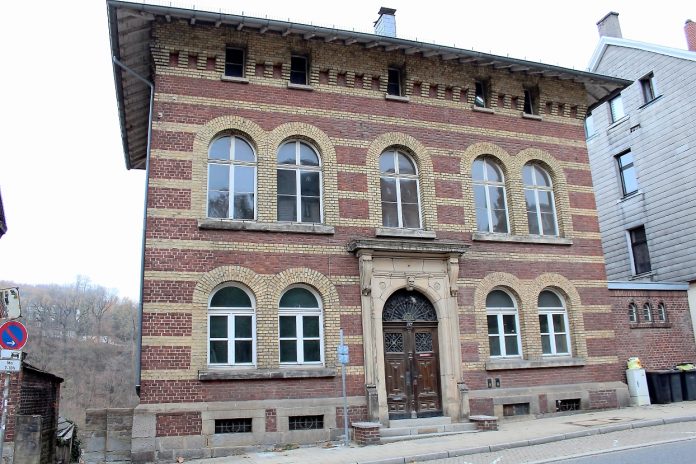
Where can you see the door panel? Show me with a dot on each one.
(426, 389)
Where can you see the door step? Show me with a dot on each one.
(412, 429)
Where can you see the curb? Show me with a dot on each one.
(533, 441)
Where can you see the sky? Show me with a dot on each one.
(72, 207)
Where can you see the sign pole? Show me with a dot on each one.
(3, 421)
(346, 437)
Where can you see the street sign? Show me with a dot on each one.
(10, 365)
(13, 335)
(10, 354)
(9, 303)
(343, 354)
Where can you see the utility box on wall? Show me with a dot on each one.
(638, 387)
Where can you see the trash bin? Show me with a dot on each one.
(689, 385)
(659, 386)
(675, 385)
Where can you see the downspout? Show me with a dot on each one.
(147, 189)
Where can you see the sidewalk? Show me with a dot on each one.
(512, 434)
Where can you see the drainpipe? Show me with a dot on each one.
(147, 186)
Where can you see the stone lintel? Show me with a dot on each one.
(540, 239)
(509, 364)
(298, 228)
(256, 374)
(387, 246)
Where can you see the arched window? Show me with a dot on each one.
(299, 183)
(503, 326)
(231, 178)
(661, 312)
(300, 327)
(231, 327)
(647, 312)
(399, 189)
(489, 196)
(632, 312)
(538, 193)
(553, 322)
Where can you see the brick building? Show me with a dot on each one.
(434, 203)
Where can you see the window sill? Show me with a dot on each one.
(240, 80)
(404, 233)
(290, 227)
(541, 239)
(650, 325)
(642, 276)
(551, 361)
(650, 102)
(534, 117)
(300, 86)
(397, 98)
(636, 194)
(483, 110)
(616, 124)
(265, 374)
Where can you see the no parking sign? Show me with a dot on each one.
(13, 335)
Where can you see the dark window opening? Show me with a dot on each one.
(298, 70)
(516, 409)
(233, 425)
(639, 250)
(627, 172)
(394, 82)
(306, 422)
(647, 87)
(234, 62)
(568, 405)
(481, 97)
(531, 101)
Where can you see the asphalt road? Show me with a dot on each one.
(666, 453)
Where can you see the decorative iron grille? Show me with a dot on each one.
(394, 342)
(568, 405)
(233, 425)
(424, 342)
(306, 422)
(408, 306)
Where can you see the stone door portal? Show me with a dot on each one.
(412, 374)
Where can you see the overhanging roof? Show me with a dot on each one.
(130, 30)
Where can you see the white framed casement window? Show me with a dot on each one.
(399, 190)
(503, 325)
(553, 324)
(300, 327)
(490, 196)
(299, 181)
(616, 108)
(231, 179)
(541, 205)
(661, 312)
(632, 312)
(231, 327)
(647, 312)
(627, 173)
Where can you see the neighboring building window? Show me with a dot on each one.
(399, 190)
(541, 207)
(298, 70)
(589, 126)
(299, 183)
(300, 327)
(553, 322)
(231, 327)
(647, 86)
(489, 196)
(394, 81)
(647, 312)
(481, 98)
(661, 312)
(531, 100)
(617, 109)
(639, 250)
(632, 313)
(503, 327)
(231, 178)
(234, 62)
(627, 172)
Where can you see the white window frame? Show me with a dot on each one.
(298, 169)
(397, 176)
(487, 185)
(299, 338)
(232, 165)
(535, 189)
(632, 313)
(231, 313)
(661, 312)
(499, 313)
(646, 312)
(549, 312)
(623, 168)
(616, 109)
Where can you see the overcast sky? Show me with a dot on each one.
(73, 208)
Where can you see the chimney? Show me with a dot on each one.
(386, 23)
(690, 31)
(609, 25)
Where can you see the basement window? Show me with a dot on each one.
(234, 62)
(298, 70)
(572, 404)
(242, 425)
(306, 422)
(516, 409)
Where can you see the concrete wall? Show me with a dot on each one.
(106, 436)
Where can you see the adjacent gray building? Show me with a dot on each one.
(642, 148)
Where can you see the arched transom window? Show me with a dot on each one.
(538, 193)
(489, 196)
(553, 323)
(299, 183)
(231, 327)
(503, 325)
(231, 178)
(399, 190)
(300, 327)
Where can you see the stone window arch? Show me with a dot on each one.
(231, 326)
